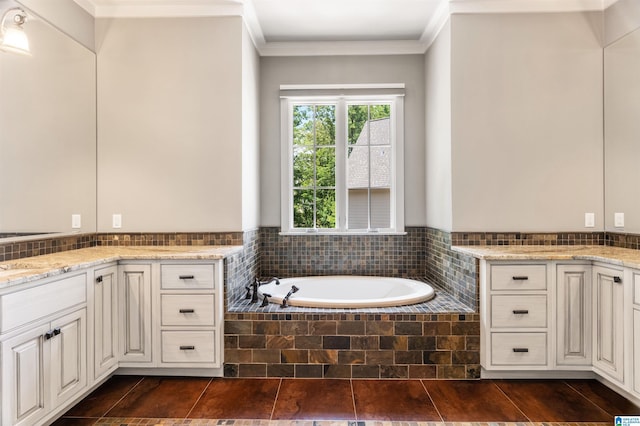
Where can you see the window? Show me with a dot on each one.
(342, 157)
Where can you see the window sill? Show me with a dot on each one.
(341, 233)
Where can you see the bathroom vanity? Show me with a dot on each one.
(565, 311)
(70, 320)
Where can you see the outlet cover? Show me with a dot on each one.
(589, 220)
(76, 221)
(618, 220)
(117, 220)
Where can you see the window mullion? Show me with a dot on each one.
(341, 164)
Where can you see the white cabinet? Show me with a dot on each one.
(573, 315)
(43, 368)
(105, 320)
(608, 322)
(515, 315)
(635, 309)
(134, 301)
(191, 315)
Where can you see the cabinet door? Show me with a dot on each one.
(134, 294)
(573, 315)
(24, 360)
(105, 308)
(68, 357)
(608, 325)
(636, 350)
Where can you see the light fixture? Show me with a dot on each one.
(12, 35)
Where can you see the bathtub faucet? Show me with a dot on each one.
(252, 290)
(286, 298)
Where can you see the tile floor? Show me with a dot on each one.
(125, 400)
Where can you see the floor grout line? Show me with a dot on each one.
(493, 382)
(432, 401)
(353, 400)
(199, 398)
(275, 400)
(587, 398)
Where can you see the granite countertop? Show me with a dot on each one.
(612, 255)
(20, 271)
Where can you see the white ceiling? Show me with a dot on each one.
(290, 27)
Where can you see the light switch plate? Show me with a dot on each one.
(589, 220)
(117, 220)
(618, 220)
(76, 221)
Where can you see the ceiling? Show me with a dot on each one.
(323, 27)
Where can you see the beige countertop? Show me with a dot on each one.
(15, 272)
(611, 255)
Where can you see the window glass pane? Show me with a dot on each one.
(380, 126)
(326, 208)
(377, 112)
(303, 208)
(380, 167)
(358, 167)
(356, 120)
(358, 206)
(325, 125)
(303, 167)
(303, 125)
(380, 208)
(326, 167)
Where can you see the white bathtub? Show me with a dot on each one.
(348, 291)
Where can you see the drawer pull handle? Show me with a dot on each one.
(520, 311)
(187, 348)
(520, 278)
(617, 280)
(520, 350)
(186, 277)
(187, 311)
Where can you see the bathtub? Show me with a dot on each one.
(348, 292)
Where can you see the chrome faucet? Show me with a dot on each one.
(286, 298)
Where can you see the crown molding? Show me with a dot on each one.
(524, 6)
(161, 8)
(341, 48)
(246, 9)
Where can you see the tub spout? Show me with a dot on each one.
(252, 290)
(286, 298)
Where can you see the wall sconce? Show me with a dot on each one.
(12, 35)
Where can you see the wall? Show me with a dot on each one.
(170, 124)
(250, 133)
(620, 18)
(408, 69)
(438, 131)
(526, 121)
(68, 17)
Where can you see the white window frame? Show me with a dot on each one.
(287, 103)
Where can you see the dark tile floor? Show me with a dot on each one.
(200, 401)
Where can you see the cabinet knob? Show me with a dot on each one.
(99, 279)
(187, 348)
(187, 311)
(186, 277)
(48, 335)
(520, 350)
(520, 278)
(520, 311)
(617, 280)
(56, 331)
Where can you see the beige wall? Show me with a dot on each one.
(250, 133)
(526, 122)
(438, 131)
(408, 69)
(622, 109)
(68, 17)
(170, 124)
(47, 134)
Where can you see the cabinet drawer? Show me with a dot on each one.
(518, 277)
(28, 305)
(191, 276)
(519, 311)
(187, 309)
(189, 346)
(518, 348)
